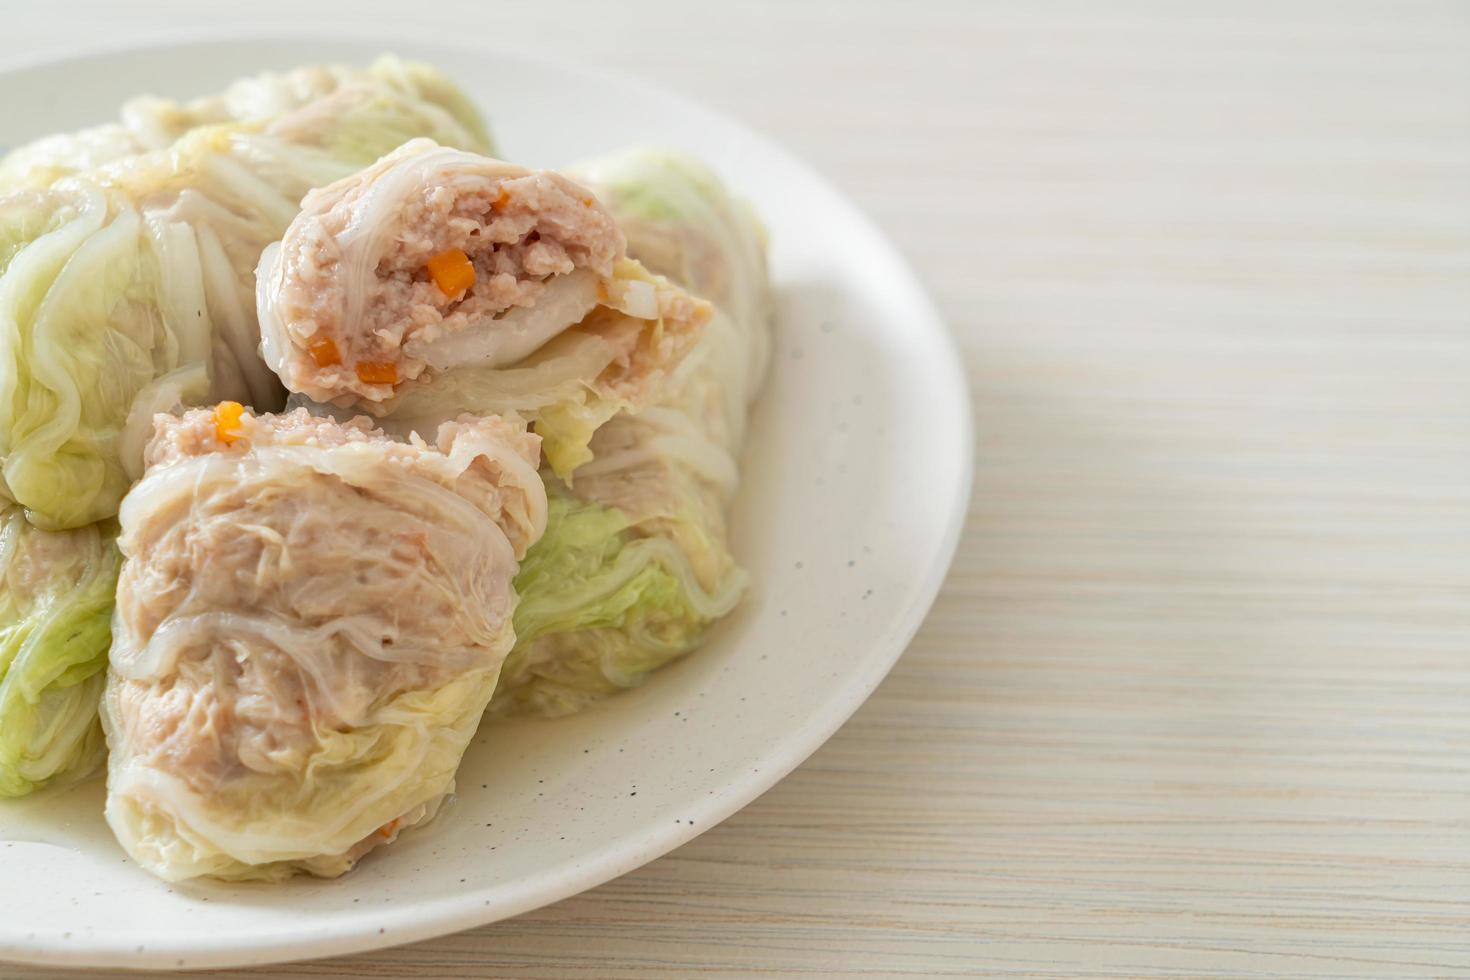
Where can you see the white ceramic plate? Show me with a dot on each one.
(856, 481)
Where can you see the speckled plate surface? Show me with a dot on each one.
(856, 480)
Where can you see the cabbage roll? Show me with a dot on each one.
(636, 563)
(127, 253)
(438, 281)
(390, 102)
(55, 604)
(310, 620)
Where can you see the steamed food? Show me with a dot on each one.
(636, 563)
(311, 618)
(438, 281)
(127, 258)
(128, 252)
(354, 114)
(56, 592)
(430, 258)
(322, 432)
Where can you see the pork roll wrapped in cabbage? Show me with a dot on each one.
(310, 621)
(128, 252)
(439, 281)
(636, 564)
(127, 260)
(385, 104)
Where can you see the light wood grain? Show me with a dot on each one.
(1196, 697)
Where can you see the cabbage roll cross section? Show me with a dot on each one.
(435, 262)
(310, 620)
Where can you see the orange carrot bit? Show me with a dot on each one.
(453, 272)
(503, 198)
(324, 352)
(377, 372)
(587, 202)
(227, 417)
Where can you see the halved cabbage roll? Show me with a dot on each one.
(438, 281)
(310, 620)
(635, 563)
(55, 604)
(128, 252)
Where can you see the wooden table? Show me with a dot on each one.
(1196, 698)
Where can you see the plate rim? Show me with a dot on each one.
(394, 925)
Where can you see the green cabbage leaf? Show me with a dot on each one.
(56, 592)
(600, 609)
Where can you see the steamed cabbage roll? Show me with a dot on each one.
(127, 254)
(636, 564)
(438, 281)
(391, 101)
(310, 620)
(55, 604)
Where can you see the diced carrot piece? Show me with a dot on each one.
(227, 417)
(324, 352)
(453, 272)
(377, 372)
(503, 198)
